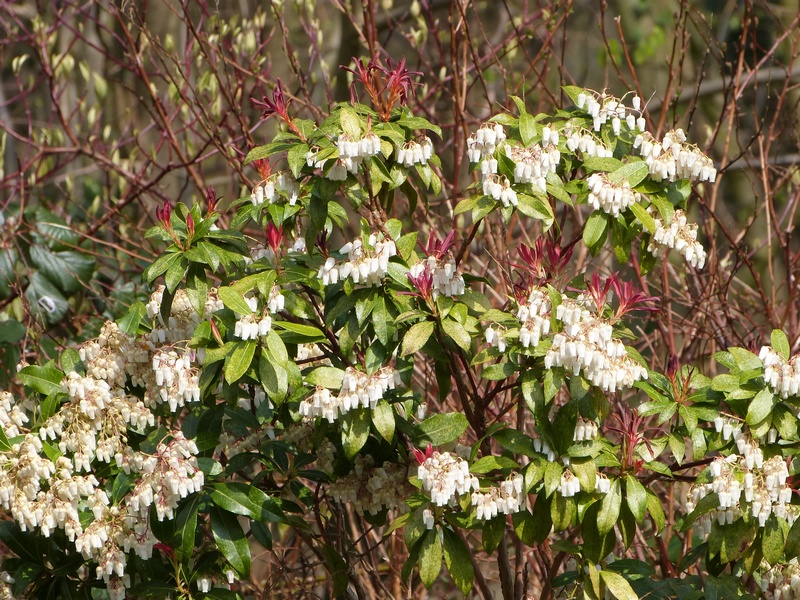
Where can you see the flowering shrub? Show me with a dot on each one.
(269, 381)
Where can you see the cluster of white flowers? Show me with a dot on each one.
(108, 539)
(358, 389)
(587, 144)
(779, 582)
(613, 198)
(12, 416)
(781, 375)
(533, 164)
(496, 337)
(372, 489)
(539, 445)
(603, 107)
(535, 318)
(253, 325)
(92, 425)
(415, 152)
(181, 323)
(680, 235)
(570, 485)
(587, 344)
(672, 159)
(366, 263)
(585, 430)
(444, 277)
(482, 144)
(499, 188)
(764, 483)
(507, 498)
(445, 476)
(270, 190)
(166, 477)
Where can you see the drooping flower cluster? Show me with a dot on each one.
(367, 263)
(372, 489)
(482, 144)
(604, 107)
(570, 485)
(588, 145)
(612, 197)
(499, 188)
(166, 477)
(258, 324)
(779, 582)
(507, 498)
(415, 152)
(533, 164)
(440, 267)
(781, 375)
(444, 476)
(763, 482)
(274, 188)
(535, 318)
(358, 389)
(672, 159)
(680, 235)
(12, 417)
(585, 430)
(180, 325)
(586, 344)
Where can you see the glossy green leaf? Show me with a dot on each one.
(415, 338)
(383, 420)
(458, 559)
(239, 361)
(230, 540)
(430, 558)
(442, 429)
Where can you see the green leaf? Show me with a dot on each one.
(45, 299)
(175, 274)
(234, 300)
(65, 269)
(595, 228)
(355, 431)
(185, 527)
(430, 558)
(618, 585)
(11, 331)
(525, 526)
(296, 158)
(527, 128)
(44, 380)
(633, 172)
(133, 318)
(490, 463)
(609, 508)
(597, 163)
(536, 208)
(328, 377)
(644, 217)
(516, 441)
(383, 420)
(636, 496)
(761, 406)
(350, 122)
(773, 540)
(792, 547)
(239, 361)
(780, 343)
(458, 559)
(443, 428)
(415, 338)
(499, 371)
(457, 333)
(736, 538)
(492, 533)
(230, 540)
(337, 567)
(246, 500)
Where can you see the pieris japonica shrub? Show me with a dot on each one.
(288, 379)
